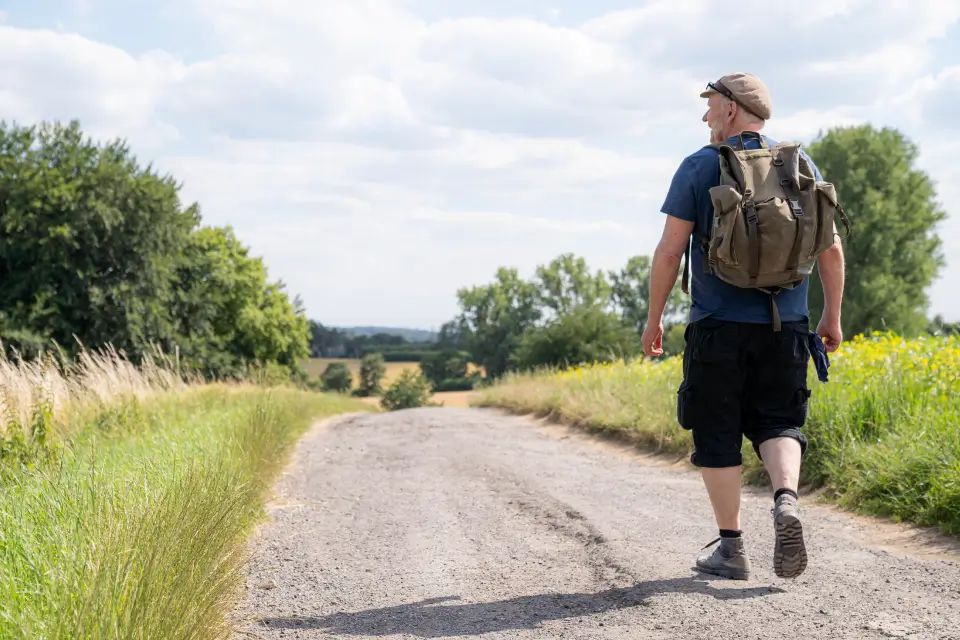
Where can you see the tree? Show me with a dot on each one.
(494, 318)
(89, 242)
(892, 253)
(444, 365)
(630, 295)
(336, 378)
(587, 334)
(97, 249)
(567, 284)
(226, 312)
(372, 370)
(452, 335)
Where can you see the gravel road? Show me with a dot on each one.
(464, 523)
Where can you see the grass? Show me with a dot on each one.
(884, 432)
(124, 514)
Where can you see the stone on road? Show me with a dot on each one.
(464, 523)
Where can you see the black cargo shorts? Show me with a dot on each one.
(742, 379)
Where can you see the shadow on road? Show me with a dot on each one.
(433, 619)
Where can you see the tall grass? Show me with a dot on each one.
(884, 431)
(129, 521)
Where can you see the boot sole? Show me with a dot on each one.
(790, 552)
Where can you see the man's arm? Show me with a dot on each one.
(830, 266)
(663, 277)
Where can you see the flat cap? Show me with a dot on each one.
(745, 89)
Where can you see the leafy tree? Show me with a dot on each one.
(567, 284)
(337, 378)
(587, 334)
(89, 242)
(372, 370)
(444, 365)
(452, 335)
(892, 254)
(228, 314)
(97, 249)
(630, 295)
(494, 318)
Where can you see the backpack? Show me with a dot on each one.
(771, 219)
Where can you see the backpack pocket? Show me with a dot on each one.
(827, 209)
(726, 224)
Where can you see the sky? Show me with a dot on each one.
(381, 154)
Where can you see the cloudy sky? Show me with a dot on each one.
(379, 154)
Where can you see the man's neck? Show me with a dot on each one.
(747, 128)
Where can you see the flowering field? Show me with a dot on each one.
(884, 431)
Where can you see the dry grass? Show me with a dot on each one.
(127, 492)
(65, 389)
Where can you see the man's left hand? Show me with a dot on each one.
(653, 339)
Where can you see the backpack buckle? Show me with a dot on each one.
(795, 207)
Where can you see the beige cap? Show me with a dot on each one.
(745, 89)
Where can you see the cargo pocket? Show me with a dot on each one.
(801, 405)
(684, 406)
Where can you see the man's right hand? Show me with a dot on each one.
(830, 332)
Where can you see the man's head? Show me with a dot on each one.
(736, 102)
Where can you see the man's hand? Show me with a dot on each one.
(830, 332)
(653, 339)
(831, 269)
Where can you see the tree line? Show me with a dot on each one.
(567, 314)
(97, 250)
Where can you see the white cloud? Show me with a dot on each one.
(358, 147)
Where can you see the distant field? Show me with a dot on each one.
(316, 366)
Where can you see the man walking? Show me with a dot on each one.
(745, 361)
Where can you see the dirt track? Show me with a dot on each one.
(460, 523)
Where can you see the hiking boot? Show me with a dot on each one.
(729, 560)
(789, 552)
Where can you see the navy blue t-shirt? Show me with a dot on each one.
(689, 199)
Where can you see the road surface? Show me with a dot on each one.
(464, 523)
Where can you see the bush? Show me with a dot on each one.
(410, 390)
(372, 371)
(466, 383)
(587, 335)
(336, 377)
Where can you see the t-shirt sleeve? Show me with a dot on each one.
(681, 200)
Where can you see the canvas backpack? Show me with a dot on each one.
(771, 219)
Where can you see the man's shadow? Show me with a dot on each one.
(433, 619)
